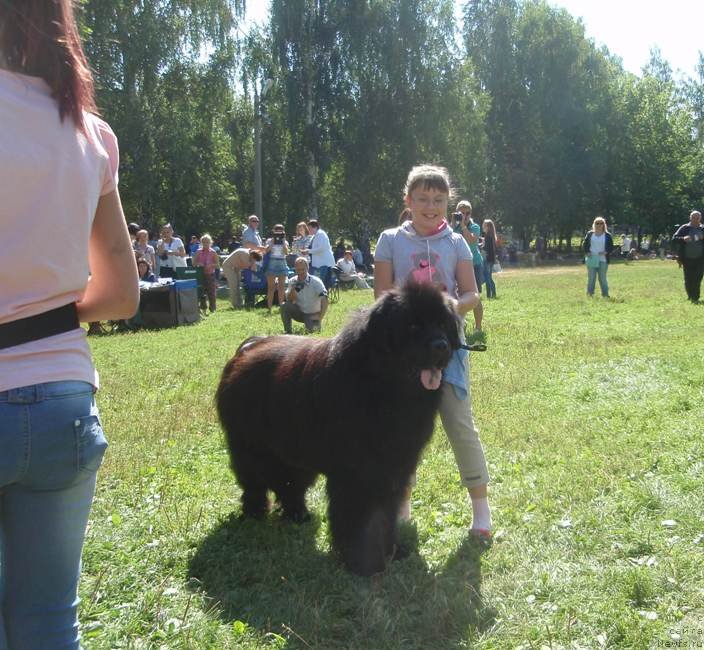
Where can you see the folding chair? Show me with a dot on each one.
(254, 283)
(333, 284)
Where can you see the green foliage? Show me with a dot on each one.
(538, 127)
(169, 109)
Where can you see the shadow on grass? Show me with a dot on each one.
(272, 576)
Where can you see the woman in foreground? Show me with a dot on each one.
(58, 175)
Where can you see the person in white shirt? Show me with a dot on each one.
(626, 246)
(320, 251)
(348, 271)
(277, 271)
(171, 252)
(306, 299)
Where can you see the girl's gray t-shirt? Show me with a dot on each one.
(423, 259)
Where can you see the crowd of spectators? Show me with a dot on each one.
(270, 264)
(295, 276)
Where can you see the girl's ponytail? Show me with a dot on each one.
(404, 216)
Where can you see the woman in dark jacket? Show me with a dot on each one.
(597, 246)
(489, 231)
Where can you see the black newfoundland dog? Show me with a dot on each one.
(358, 408)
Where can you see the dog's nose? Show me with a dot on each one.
(440, 345)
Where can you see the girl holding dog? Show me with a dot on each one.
(58, 175)
(424, 248)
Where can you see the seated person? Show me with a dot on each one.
(348, 271)
(306, 299)
(254, 282)
(233, 265)
(145, 271)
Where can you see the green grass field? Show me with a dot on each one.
(591, 413)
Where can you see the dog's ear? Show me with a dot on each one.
(383, 326)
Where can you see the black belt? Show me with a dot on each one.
(49, 323)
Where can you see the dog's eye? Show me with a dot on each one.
(413, 329)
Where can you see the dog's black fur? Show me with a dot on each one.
(352, 407)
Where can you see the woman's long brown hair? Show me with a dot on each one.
(40, 38)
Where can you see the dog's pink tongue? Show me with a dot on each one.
(431, 378)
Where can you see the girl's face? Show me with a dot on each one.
(142, 268)
(428, 208)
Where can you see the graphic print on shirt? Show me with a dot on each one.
(426, 270)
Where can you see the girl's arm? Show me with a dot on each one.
(384, 277)
(466, 287)
(112, 292)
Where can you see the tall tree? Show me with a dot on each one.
(145, 53)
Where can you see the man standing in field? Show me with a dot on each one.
(688, 243)
(320, 251)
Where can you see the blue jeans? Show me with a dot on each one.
(323, 272)
(51, 446)
(591, 279)
(479, 275)
(489, 280)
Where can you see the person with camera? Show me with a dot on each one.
(688, 243)
(306, 299)
(171, 252)
(462, 223)
(277, 269)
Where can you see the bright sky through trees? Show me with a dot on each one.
(629, 28)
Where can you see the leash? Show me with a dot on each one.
(474, 347)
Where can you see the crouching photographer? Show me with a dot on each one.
(306, 299)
